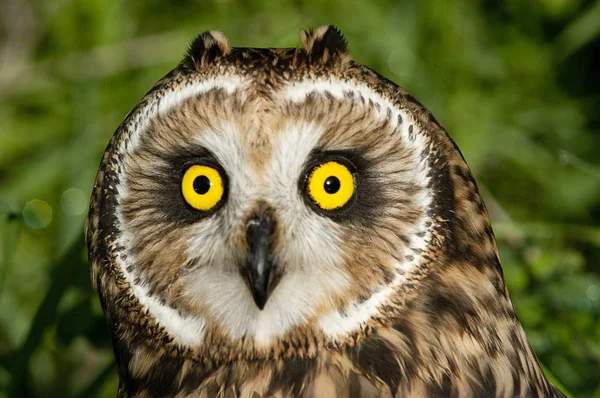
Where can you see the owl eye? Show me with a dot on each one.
(202, 187)
(331, 185)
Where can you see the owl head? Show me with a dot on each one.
(265, 203)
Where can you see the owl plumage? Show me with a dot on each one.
(266, 290)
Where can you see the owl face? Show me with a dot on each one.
(255, 195)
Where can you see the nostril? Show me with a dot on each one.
(259, 227)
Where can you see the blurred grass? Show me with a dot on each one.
(515, 83)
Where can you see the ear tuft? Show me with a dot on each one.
(206, 48)
(324, 44)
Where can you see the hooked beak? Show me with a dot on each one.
(259, 231)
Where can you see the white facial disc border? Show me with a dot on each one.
(337, 324)
(187, 331)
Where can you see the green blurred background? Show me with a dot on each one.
(516, 83)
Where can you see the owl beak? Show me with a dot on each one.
(259, 231)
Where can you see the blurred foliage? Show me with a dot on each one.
(516, 83)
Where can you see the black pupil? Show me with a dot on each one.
(202, 185)
(331, 185)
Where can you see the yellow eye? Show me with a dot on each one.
(202, 187)
(331, 185)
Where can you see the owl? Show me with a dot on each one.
(288, 223)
